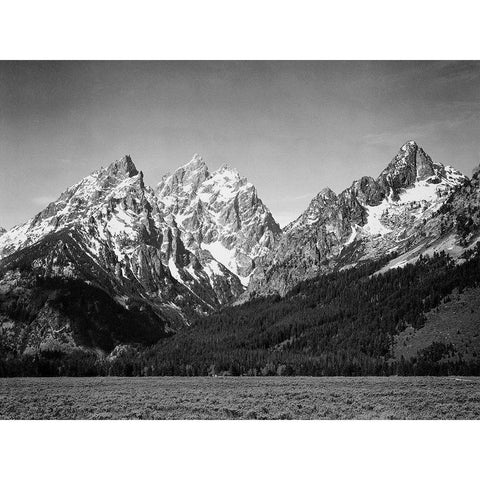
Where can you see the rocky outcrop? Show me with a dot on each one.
(410, 165)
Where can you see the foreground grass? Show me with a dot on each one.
(240, 398)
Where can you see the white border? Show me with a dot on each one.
(250, 29)
(239, 30)
(239, 450)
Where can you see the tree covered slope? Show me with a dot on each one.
(343, 323)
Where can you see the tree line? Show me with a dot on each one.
(343, 323)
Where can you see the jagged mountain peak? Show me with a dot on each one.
(196, 163)
(95, 196)
(219, 212)
(197, 158)
(406, 151)
(116, 179)
(122, 167)
(367, 190)
(185, 180)
(193, 182)
(406, 157)
(319, 205)
(226, 168)
(409, 145)
(410, 165)
(228, 178)
(326, 193)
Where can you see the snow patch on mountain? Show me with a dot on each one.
(222, 254)
(352, 236)
(174, 270)
(374, 225)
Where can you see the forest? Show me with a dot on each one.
(343, 323)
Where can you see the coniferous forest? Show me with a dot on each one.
(343, 323)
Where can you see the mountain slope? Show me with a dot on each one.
(343, 323)
(397, 213)
(453, 327)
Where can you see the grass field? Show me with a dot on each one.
(240, 398)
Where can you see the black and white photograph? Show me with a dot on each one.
(246, 240)
(239, 239)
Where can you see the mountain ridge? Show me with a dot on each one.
(200, 241)
(371, 218)
(114, 233)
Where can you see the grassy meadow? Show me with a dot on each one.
(299, 398)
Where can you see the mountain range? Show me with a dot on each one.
(115, 262)
(398, 214)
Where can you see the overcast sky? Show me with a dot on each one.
(292, 128)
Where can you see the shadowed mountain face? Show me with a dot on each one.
(157, 259)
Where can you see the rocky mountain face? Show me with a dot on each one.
(162, 253)
(412, 208)
(219, 212)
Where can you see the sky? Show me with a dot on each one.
(292, 128)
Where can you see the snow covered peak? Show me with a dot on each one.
(195, 167)
(228, 177)
(196, 162)
(218, 212)
(227, 168)
(92, 198)
(183, 182)
(194, 181)
(411, 164)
